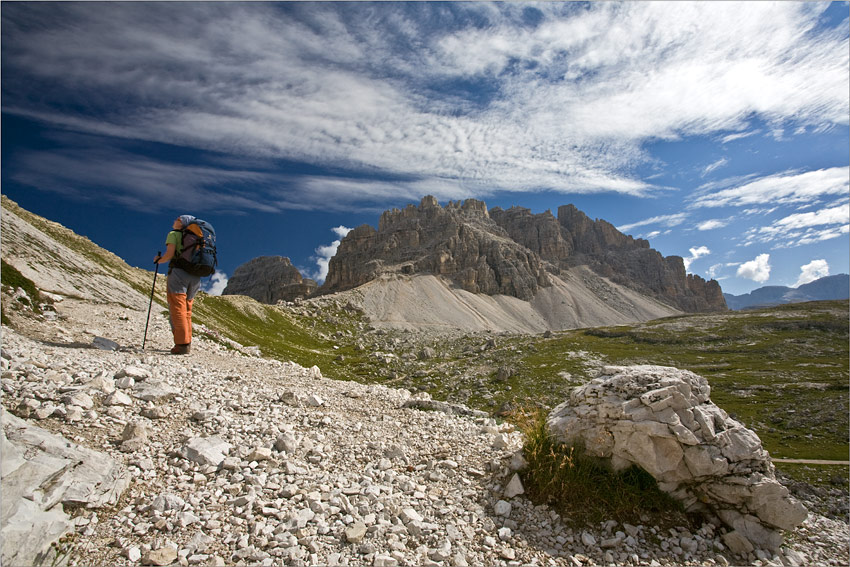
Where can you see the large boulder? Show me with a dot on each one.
(43, 473)
(662, 420)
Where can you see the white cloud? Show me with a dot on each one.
(714, 270)
(757, 269)
(566, 105)
(812, 271)
(325, 253)
(216, 284)
(804, 228)
(696, 253)
(664, 220)
(738, 136)
(834, 215)
(711, 167)
(712, 224)
(782, 188)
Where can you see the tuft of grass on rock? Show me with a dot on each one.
(14, 279)
(582, 488)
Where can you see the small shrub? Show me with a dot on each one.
(582, 487)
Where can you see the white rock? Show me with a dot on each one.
(355, 533)
(133, 372)
(410, 515)
(385, 561)
(206, 450)
(287, 442)
(502, 508)
(260, 454)
(514, 487)
(79, 399)
(118, 398)
(167, 501)
(133, 554)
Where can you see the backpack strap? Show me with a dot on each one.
(194, 229)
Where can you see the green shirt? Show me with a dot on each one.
(175, 237)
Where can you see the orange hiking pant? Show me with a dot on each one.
(180, 310)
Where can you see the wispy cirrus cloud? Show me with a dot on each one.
(553, 96)
(800, 229)
(712, 224)
(713, 166)
(671, 220)
(785, 188)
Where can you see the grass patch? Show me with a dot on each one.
(11, 277)
(281, 334)
(582, 488)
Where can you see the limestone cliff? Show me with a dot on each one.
(511, 252)
(573, 239)
(269, 279)
(460, 242)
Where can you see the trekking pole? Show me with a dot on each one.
(155, 272)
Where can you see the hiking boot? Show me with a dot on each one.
(181, 349)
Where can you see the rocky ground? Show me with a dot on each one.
(238, 460)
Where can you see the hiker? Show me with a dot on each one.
(181, 288)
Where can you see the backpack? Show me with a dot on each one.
(199, 256)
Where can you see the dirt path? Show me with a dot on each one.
(811, 462)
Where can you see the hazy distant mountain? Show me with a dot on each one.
(829, 287)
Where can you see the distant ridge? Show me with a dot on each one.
(825, 288)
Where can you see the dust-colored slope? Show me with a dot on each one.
(58, 260)
(579, 299)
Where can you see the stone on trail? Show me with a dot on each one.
(206, 450)
(514, 487)
(662, 420)
(135, 372)
(260, 454)
(162, 556)
(118, 398)
(151, 391)
(105, 344)
(503, 508)
(356, 532)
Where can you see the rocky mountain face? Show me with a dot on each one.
(269, 279)
(511, 252)
(460, 242)
(828, 287)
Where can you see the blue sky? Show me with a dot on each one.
(716, 130)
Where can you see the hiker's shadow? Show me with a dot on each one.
(90, 346)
